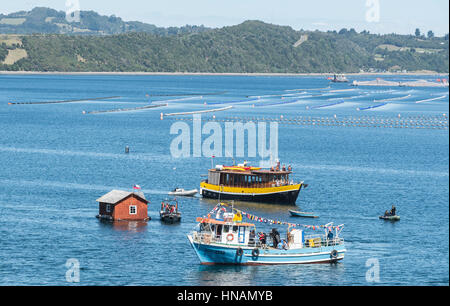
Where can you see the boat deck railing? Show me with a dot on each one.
(205, 237)
(311, 241)
(314, 241)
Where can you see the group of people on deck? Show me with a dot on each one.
(391, 212)
(169, 208)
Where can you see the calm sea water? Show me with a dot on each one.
(55, 162)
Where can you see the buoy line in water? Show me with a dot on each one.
(125, 109)
(325, 105)
(175, 100)
(393, 99)
(308, 89)
(64, 101)
(432, 99)
(371, 107)
(437, 122)
(198, 112)
(232, 102)
(191, 94)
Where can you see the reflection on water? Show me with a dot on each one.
(292, 275)
(128, 226)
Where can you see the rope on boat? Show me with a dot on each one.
(125, 109)
(64, 101)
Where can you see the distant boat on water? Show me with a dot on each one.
(339, 78)
(302, 214)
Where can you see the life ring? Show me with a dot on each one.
(334, 254)
(255, 253)
(230, 237)
(239, 252)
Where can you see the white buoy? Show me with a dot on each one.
(162, 116)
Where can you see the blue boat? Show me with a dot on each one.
(225, 239)
(296, 213)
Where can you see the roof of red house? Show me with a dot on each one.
(116, 196)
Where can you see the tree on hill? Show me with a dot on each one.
(417, 32)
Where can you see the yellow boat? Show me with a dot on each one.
(252, 184)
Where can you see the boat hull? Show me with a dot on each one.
(170, 218)
(286, 197)
(213, 254)
(302, 214)
(390, 218)
(189, 193)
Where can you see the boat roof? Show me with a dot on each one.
(251, 172)
(214, 221)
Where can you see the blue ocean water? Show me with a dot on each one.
(56, 161)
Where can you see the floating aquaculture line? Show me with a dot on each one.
(432, 99)
(416, 122)
(125, 109)
(326, 105)
(392, 99)
(372, 107)
(308, 89)
(231, 102)
(280, 102)
(64, 101)
(181, 99)
(191, 94)
(199, 112)
(342, 90)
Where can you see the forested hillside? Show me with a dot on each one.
(250, 47)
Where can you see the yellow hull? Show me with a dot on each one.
(280, 195)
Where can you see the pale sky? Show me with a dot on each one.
(399, 16)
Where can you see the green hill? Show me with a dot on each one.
(251, 47)
(49, 21)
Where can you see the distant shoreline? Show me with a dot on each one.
(426, 73)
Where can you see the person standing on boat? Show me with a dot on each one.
(262, 239)
(393, 211)
(275, 237)
(251, 239)
(330, 235)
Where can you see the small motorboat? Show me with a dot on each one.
(302, 214)
(182, 192)
(169, 212)
(391, 218)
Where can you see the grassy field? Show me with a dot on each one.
(13, 21)
(14, 56)
(10, 39)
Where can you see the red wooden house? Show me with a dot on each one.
(123, 205)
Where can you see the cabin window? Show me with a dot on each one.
(235, 228)
(133, 210)
(226, 228)
(108, 208)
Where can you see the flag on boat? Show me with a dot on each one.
(136, 187)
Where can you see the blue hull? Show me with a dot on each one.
(210, 254)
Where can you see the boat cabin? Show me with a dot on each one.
(223, 232)
(248, 178)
